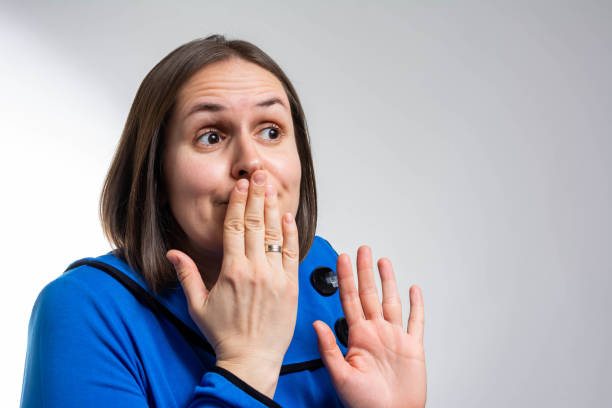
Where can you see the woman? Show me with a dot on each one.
(211, 204)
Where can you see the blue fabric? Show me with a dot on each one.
(92, 343)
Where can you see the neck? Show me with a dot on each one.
(208, 264)
(209, 269)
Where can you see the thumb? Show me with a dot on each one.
(330, 353)
(189, 277)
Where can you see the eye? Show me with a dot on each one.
(273, 132)
(210, 137)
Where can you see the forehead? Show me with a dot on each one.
(233, 83)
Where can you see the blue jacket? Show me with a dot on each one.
(94, 341)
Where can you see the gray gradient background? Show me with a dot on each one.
(468, 142)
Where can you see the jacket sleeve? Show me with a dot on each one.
(79, 355)
(219, 385)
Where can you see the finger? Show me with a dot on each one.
(190, 279)
(416, 320)
(331, 355)
(274, 232)
(233, 226)
(348, 292)
(291, 247)
(254, 225)
(391, 303)
(367, 287)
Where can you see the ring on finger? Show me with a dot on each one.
(274, 248)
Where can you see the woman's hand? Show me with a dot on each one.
(249, 314)
(384, 366)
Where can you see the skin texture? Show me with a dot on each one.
(249, 315)
(207, 152)
(243, 299)
(384, 365)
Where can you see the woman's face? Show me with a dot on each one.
(231, 119)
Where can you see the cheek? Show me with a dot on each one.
(194, 186)
(290, 172)
(188, 180)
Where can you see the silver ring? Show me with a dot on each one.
(274, 248)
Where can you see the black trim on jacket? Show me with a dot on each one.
(264, 399)
(187, 332)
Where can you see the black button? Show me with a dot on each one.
(324, 280)
(341, 328)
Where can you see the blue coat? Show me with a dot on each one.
(95, 341)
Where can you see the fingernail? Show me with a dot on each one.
(259, 178)
(242, 185)
(288, 218)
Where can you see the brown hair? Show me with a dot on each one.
(134, 217)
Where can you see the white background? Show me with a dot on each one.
(468, 142)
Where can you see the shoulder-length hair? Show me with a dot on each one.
(135, 218)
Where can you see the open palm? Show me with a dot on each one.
(384, 365)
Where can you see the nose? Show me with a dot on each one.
(246, 158)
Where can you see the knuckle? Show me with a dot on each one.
(265, 279)
(256, 194)
(367, 290)
(417, 319)
(253, 222)
(291, 253)
(250, 279)
(273, 235)
(238, 197)
(230, 270)
(234, 225)
(392, 300)
(237, 265)
(348, 297)
(232, 279)
(348, 290)
(258, 190)
(181, 276)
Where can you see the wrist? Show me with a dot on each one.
(260, 374)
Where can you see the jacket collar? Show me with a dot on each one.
(311, 307)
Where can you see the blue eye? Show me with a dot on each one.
(274, 132)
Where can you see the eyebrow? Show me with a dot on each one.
(214, 107)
